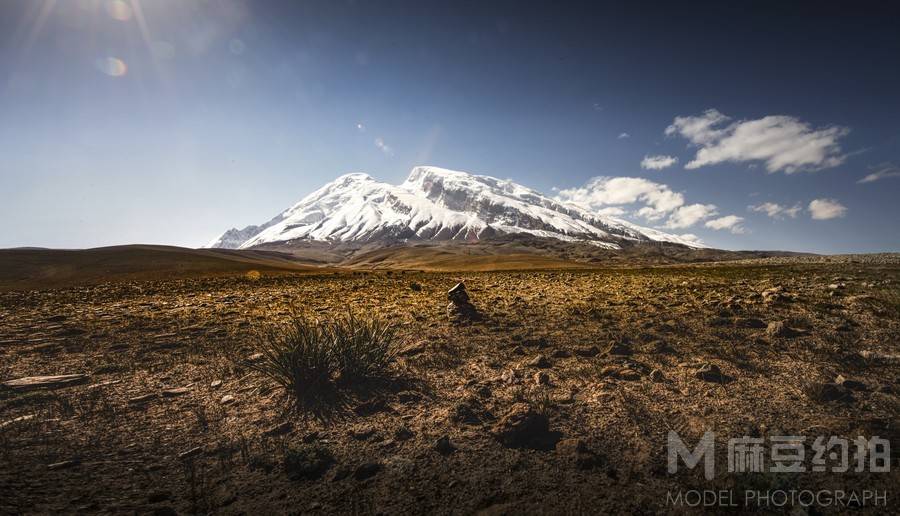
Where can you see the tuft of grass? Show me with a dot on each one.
(362, 348)
(309, 357)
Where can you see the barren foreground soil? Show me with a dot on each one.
(169, 418)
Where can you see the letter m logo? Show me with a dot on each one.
(704, 450)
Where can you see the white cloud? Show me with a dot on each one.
(599, 192)
(653, 201)
(622, 136)
(882, 171)
(690, 237)
(783, 143)
(658, 162)
(775, 210)
(385, 148)
(824, 209)
(687, 216)
(729, 222)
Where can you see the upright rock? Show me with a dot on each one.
(460, 309)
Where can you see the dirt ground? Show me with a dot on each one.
(169, 418)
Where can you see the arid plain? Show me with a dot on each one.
(556, 399)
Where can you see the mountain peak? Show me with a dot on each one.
(435, 203)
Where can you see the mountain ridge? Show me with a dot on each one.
(436, 204)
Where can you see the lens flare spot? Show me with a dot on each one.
(237, 47)
(112, 66)
(119, 10)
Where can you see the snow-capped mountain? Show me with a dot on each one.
(435, 204)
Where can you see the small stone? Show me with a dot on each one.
(780, 329)
(539, 361)
(256, 357)
(403, 434)
(750, 322)
(542, 378)
(227, 399)
(362, 434)
(562, 353)
(178, 391)
(712, 373)
(826, 392)
(629, 375)
(853, 385)
(215, 384)
(413, 349)
(140, 400)
(657, 376)
(619, 349)
(62, 465)
(587, 351)
(45, 382)
(193, 452)
(444, 446)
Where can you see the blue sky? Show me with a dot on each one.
(171, 121)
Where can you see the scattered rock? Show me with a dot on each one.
(45, 382)
(146, 398)
(403, 434)
(826, 392)
(62, 465)
(178, 391)
(541, 378)
(750, 322)
(657, 376)
(562, 353)
(413, 349)
(215, 384)
(539, 361)
(853, 385)
(628, 374)
(20, 419)
(256, 357)
(460, 309)
(193, 452)
(587, 351)
(522, 427)
(712, 373)
(227, 399)
(780, 329)
(619, 349)
(362, 434)
(444, 446)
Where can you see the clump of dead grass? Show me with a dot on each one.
(310, 358)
